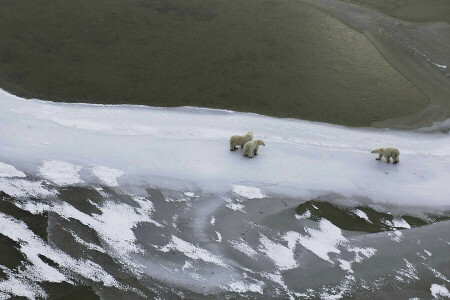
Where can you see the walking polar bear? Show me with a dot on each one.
(240, 140)
(388, 153)
(251, 148)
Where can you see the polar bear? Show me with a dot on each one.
(240, 140)
(251, 148)
(388, 153)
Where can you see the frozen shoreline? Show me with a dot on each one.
(187, 149)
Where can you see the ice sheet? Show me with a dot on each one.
(187, 149)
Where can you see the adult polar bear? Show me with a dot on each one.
(388, 153)
(251, 148)
(240, 140)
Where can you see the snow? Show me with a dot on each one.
(305, 215)
(282, 256)
(9, 171)
(301, 159)
(248, 192)
(323, 240)
(242, 287)
(25, 188)
(401, 223)
(37, 270)
(60, 172)
(219, 237)
(192, 251)
(362, 215)
(244, 248)
(107, 175)
(438, 290)
(236, 207)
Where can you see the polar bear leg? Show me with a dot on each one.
(395, 158)
(379, 157)
(388, 158)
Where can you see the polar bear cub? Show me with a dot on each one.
(251, 148)
(388, 153)
(240, 140)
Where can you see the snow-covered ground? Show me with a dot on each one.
(186, 149)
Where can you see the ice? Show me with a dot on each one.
(107, 175)
(187, 149)
(9, 171)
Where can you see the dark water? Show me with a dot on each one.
(277, 58)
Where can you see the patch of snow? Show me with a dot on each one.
(190, 194)
(362, 215)
(219, 237)
(248, 192)
(345, 265)
(400, 223)
(213, 221)
(408, 274)
(323, 240)
(438, 290)
(9, 171)
(396, 235)
(244, 248)
(107, 175)
(60, 172)
(427, 252)
(244, 287)
(24, 188)
(236, 207)
(282, 256)
(360, 252)
(192, 251)
(303, 216)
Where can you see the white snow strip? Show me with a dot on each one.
(427, 252)
(24, 188)
(282, 256)
(438, 290)
(408, 274)
(84, 243)
(248, 192)
(107, 175)
(362, 215)
(442, 67)
(9, 171)
(60, 172)
(345, 265)
(360, 252)
(192, 251)
(213, 221)
(244, 248)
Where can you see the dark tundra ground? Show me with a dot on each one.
(279, 58)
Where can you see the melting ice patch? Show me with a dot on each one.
(60, 172)
(107, 175)
(9, 171)
(248, 192)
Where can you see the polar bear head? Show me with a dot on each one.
(379, 150)
(260, 142)
(250, 133)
